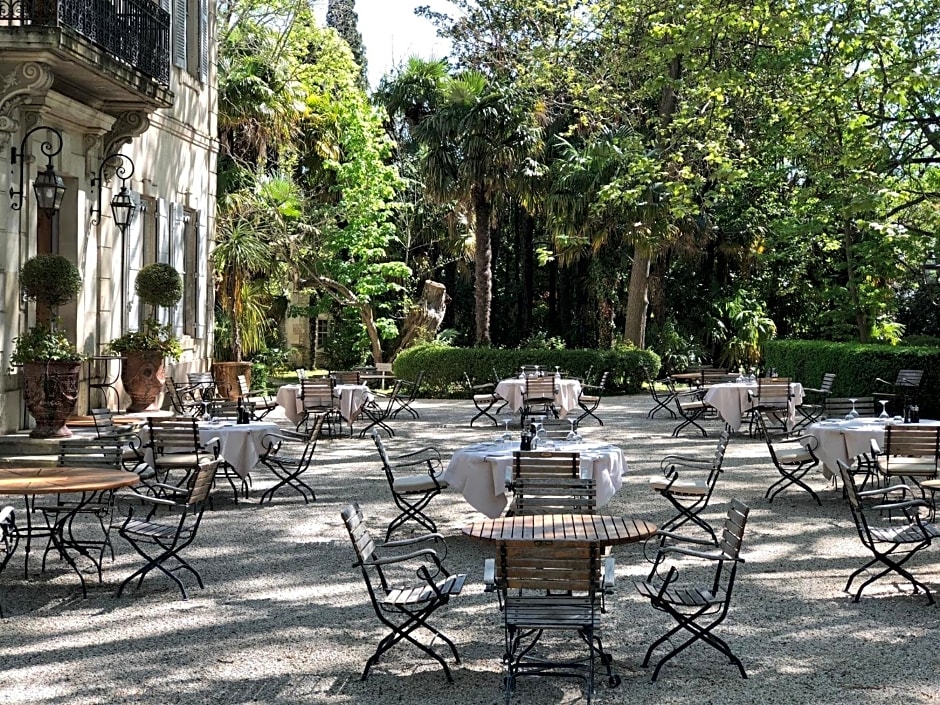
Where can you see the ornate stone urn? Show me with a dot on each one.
(143, 375)
(50, 392)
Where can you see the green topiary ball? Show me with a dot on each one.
(159, 284)
(50, 279)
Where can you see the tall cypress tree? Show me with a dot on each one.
(341, 16)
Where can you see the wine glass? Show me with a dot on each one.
(573, 435)
(507, 434)
(853, 414)
(884, 410)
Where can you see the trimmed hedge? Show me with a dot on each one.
(444, 366)
(856, 366)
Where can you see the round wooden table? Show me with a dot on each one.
(605, 530)
(83, 482)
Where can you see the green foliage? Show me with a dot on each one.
(346, 342)
(856, 366)
(445, 366)
(676, 351)
(42, 344)
(52, 280)
(151, 336)
(268, 363)
(541, 341)
(159, 284)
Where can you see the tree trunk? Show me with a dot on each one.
(861, 315)
(425, 317)
(483, 260)
(637, 297)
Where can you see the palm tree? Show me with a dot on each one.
(473, 140)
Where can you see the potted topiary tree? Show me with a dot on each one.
(50, 362)
(143, 371)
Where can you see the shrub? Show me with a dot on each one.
(159, 284)
(50, 279)
(444, 366)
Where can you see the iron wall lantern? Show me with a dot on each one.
(123, 204)
(48, 186)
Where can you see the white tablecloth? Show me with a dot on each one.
(351, 399)
(480, 472)
(845, 440)
(732, 401)
(239, 444)
(566, 394)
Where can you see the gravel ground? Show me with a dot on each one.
(285, 619)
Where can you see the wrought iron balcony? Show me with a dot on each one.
(137, 32)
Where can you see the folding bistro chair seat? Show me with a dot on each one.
(691, 407)
(411, 493)
(793, 457)
(160, 541)
(689, 496)
(552, 587)
(893, 544)
(484, 399)
(590, 398)
(288, 466)
(699, 607)
(403, 609)
(661, 400)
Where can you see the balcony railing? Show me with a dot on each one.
(134, 31)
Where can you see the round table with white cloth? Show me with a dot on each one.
(567, 392)
(732, 401)
(481, 471)
(351, 399)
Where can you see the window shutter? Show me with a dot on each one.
(134, 260)
(163, 248)
(177, 258)
(203, 41)
(202, 277)
(179, 33)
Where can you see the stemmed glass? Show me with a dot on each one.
(507, 434)
(884, 409)
(853, 414)
(573, 436)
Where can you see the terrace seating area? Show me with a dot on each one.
(285, 616)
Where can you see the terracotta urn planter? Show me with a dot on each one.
(50, 393)
(143, 374)
(226, 378)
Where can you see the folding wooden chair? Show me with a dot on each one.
(286, 466)
(404, 609)
(892, 545)
(793, 457)
(261, 404)
(407, 394)
(538, 398)
(699, 607)
(484, 399)
(689, 496)
(911, 452)
(554, 587)
(160, 542)
(378, 409)
(590, 398)
(774, 395)
(411, 493)
(661, 400)
(905, 389)
(550, 483)
(814, 402)
(691, 407)
(317, 398)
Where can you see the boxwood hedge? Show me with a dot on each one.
(856, 367)
(444, 366)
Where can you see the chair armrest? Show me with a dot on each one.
(684, 539)
(609, 576)
(882, 491)
(811, 444)
(402, 558)
(681, 461)
(705, 555)
(150, 499)
(413, 540)
(489, 575)
(907, 504)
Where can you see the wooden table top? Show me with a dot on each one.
(606, 530)
(63, 479)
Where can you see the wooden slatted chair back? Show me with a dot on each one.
(909, 378)
(243, 388)
(828, 380)
(714, 376)
(911, 451)
(91, 453)
(732, 535)
(540, 390)
(176, 398)
(776, 390)
(346, 377)
(174, 435)
(837, 407)
(200, 482)
(550, 567)
(362, 541)
(543, 465)
(573, 495)
(316, 394)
